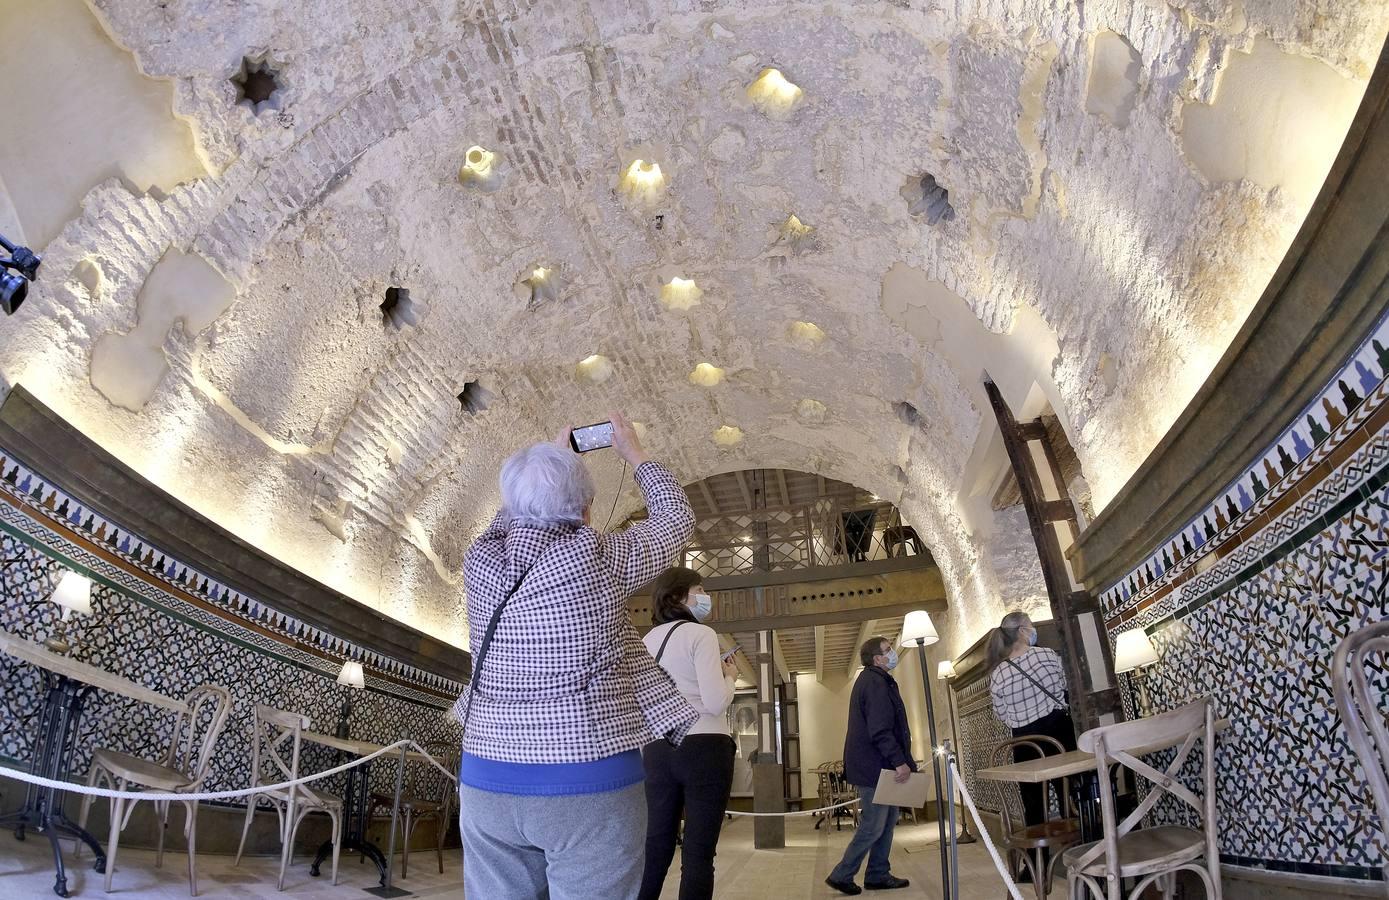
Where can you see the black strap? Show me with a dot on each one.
(661, 652)
(1025, 674)
(487, 639)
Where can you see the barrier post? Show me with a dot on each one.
(387, 889)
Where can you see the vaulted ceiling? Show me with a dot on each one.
(1083, 201)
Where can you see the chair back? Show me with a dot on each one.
(1124, 743)
(1042, 745)
(1361, 705)
(275, 750)
(196, 730)
(430, 783)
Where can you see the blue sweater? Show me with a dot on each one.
(552, 779)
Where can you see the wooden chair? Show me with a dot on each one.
(182, 770)
(275, 759)
(1032, 843)
(1362, 710)
(429, 794)
(1151, 855)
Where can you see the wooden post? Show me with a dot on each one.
(768, 782)
(1050, 515)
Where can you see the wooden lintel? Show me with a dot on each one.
(1032, 431)
(1058, 511)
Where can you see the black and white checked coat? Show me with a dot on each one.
(567, 678)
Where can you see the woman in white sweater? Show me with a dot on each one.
(697, 775)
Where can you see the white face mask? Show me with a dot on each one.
(703, 606)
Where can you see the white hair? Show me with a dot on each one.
(546, 484)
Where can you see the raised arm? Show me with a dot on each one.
(639, 553)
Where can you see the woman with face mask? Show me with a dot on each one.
(1028, 686)
(697, 775)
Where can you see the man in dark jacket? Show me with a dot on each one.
(878, 738)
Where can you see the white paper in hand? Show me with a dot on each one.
(911, 793)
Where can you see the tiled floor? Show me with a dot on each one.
(743, 873)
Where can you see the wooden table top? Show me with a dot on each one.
(356, 747)
(1072, 762)
(39, 655)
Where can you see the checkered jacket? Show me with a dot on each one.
(567, 678)
(1019, 702)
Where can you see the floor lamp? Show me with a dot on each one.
(918, 630)
(945, 671)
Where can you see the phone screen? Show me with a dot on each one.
(731, 650)
(591, 437)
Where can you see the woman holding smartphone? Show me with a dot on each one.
(697, 775)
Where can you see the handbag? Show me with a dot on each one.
(661, 652)
(1028, 676)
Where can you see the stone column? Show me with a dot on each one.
(768, 783)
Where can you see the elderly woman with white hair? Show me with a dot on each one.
(564, 694)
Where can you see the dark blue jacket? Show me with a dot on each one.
(878, 737)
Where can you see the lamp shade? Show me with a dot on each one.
(74, 592)
(351, 674)
(917, 628)
(1133, 650)
(945, 669)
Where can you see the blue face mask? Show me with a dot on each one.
(1032, 637)
(891, 659)
(702, 608)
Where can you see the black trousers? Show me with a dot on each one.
(1056, 724)
(694, 778)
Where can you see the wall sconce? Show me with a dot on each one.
(773, 95)
(351, 677)
(1132, 651)
(74, 595)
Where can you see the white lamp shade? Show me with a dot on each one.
(351, 674)
(1133, 650)
(917, 628)
(945, 669)
(74, 592)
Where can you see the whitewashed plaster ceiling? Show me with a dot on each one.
(1121, 180)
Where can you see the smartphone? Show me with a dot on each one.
(731, 650)
(591, 437)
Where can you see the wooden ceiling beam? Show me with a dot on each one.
(781, 483)
(779, 658)
(743, 486)
(863, 632)
(709, 498)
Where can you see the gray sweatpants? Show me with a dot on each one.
(563, 848)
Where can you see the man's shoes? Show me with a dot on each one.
(844, 887)
(890, 883)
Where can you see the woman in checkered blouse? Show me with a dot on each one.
(1028, 686)
(551, 799)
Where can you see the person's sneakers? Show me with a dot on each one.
(890, 883)
(844, 887)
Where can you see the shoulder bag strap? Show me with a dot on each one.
(661, 652)
(487, 638)
(1028, 676)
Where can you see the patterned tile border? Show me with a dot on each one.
(1303, 455)
(125, 560)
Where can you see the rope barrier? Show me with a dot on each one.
(802, 812)
(76, 788)
(984, 833)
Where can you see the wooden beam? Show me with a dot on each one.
(779, 659)
(820, 653)
(821, 480)
(709, 498)
(863, 632)
(743, 486)
(839, 617)
(781, 483)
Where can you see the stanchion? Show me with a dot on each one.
(949, 755)
(386, 889)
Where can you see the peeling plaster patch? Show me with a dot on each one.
(93, 117)
(596, 369)
(223, 402)
(728, 435)
(1277, 119)
(182, 288)
(812, 412)
(1108, 372)
(1113, 84)
(706, 375)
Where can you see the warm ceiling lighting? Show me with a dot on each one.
(479, 168)
(596, 368)
(539, 273)
(794, 228)
(706, 375)
(773, 94)
(643, 180)
(728, 435)
(806, 332)
(680, 293)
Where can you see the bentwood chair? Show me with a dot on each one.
(182, 770)
(274, 760)
(1361, 705)
(1032, 843)
(1154, 855)
(429, 795)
